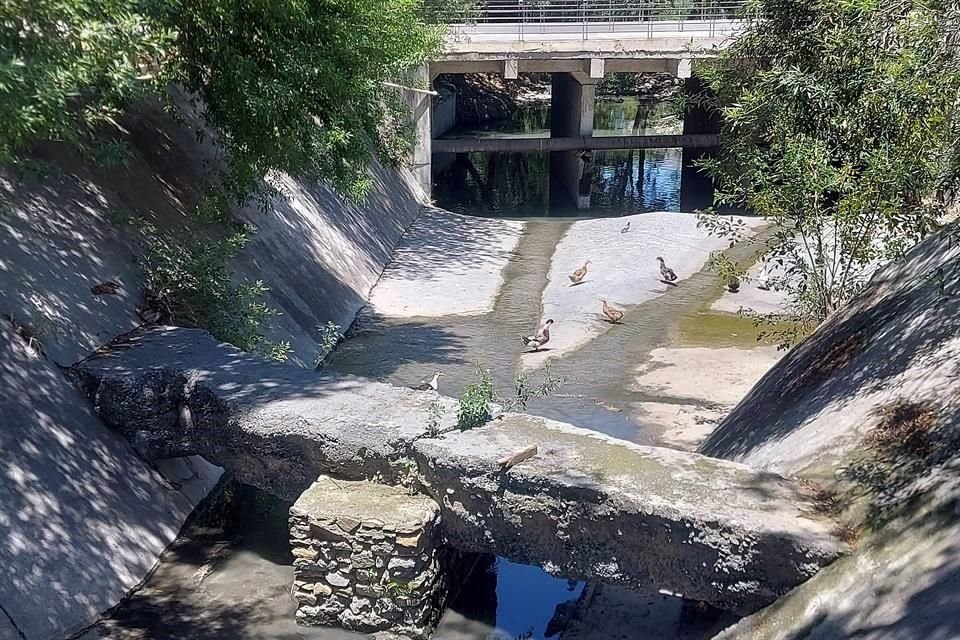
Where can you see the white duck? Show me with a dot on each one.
(432, 385)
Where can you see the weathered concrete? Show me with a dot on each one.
(67, 230)
(587, 506)
(624, 273)
(813, 415)
(696, 387)
(896, 341)
(93, 518)
(446, 264)
(82, 519)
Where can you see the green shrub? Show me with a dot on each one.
(190, 283)
(474, 408)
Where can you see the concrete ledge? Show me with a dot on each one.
(586, 507)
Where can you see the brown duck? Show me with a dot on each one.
(577, 276)
(613, 315)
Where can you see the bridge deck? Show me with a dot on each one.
(587, 506)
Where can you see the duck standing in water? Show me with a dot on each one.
(430, 385)
(577, 276)
(613, 315)
(666, 273)
(542, 337)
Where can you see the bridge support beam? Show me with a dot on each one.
(572, 103)
(697, 122)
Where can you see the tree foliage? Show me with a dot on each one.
(840, 123)
(296, 85)
(68, 65)
(290, 85)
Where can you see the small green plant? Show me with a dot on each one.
(110, 154)
(725, 268)
(474, 408)
(213, 207)
(398, 589)
(435, 414)
(191, 283)
(408, 473)
(524, 391)
(330, 336)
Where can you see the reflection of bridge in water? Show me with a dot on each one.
(578, 42)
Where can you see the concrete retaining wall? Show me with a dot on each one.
(82, 519)
(586, 507)
(868, 409)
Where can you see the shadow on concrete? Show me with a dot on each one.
(441, 241)
(82, 519)
(378, 346)
(898, 331)
(227, 577)
(64, 227)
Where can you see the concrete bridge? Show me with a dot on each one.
(578, 42)
(587, 506)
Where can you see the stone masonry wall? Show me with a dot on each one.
(368, 558)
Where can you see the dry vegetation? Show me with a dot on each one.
(903, 425)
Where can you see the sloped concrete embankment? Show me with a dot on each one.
(868, 411)
(586, 507)
(82, 519)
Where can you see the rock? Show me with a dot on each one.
(410, 540)
(304, 552)
(348, 524)
(369, 590)
(337, 579)
(321, 590)
(402, 567)
(363, 560)
(359, 605)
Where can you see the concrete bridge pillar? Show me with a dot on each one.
(572, 103)
(697, 191)
(421, 110)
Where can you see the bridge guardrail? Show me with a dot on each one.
(583, 18)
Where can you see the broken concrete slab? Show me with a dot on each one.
(587, 506)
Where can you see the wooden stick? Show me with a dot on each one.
(429, 92)
(508, 462)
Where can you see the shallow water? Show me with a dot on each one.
(599, 387)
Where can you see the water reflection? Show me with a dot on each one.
(503, 600)
(612, 117)
(521, 185)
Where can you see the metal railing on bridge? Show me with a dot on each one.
(586, 18)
